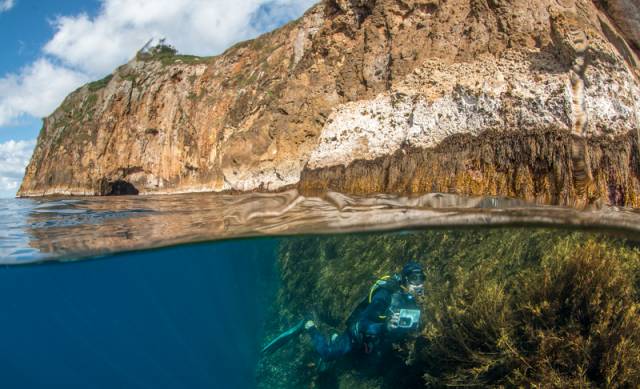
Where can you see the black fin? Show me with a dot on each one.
(283, 338)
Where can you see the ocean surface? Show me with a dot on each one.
(176, 291)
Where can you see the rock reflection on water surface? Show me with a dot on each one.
(71, 228)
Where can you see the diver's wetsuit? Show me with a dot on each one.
(369, 324)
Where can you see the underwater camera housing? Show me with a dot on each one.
(409, 319)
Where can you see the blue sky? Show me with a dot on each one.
(49, 48)
(25, 29)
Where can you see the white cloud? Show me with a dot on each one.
(85, 47)
(36, 90)
(202, 27)
(6, 5)
(14, 157)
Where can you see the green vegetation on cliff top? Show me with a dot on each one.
(168, 55)
(97, 85)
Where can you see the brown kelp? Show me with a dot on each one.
(506, 307)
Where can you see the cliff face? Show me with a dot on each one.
(366, 95)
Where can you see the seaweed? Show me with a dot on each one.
(503, 307)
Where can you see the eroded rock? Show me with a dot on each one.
(354, 82)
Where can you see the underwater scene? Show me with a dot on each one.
(238, 291)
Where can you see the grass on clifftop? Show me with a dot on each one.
(516, 307)
(97, 85)
(168, 55)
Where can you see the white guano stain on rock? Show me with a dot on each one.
(514, 93)
(268, 178)
(612, 106)
(352, 79)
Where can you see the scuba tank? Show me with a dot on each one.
(390, 283)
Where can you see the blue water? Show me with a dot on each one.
(193, 315)
(185, 317)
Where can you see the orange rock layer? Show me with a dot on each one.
(534, 99)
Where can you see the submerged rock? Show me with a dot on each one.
(502, 307)
(361, 83)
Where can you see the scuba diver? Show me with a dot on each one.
(390, 312)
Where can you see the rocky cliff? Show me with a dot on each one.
(535, 99)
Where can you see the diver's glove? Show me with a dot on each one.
(309, 324)
(393, 322)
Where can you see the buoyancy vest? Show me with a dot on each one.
(389, 283)
(399, 301)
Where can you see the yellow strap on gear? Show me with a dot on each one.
(375, 286)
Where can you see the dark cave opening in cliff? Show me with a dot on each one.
(118, 188)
